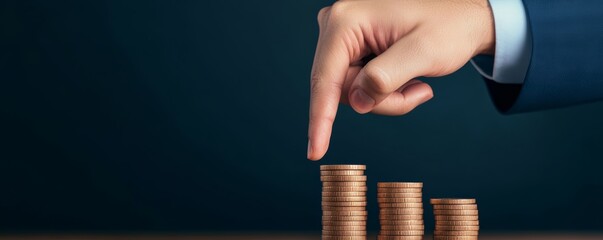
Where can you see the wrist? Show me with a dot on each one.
(486, 36)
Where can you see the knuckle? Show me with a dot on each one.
(322, 13)
(377, 80)
(339, 11)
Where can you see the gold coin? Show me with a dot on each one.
(343, 194)
(342, 167)
(402, 217)
(401, 205)
(344, 233)
(456, 228)
(455, 233)
(456, 207)
(344, 218)
(400, 211)
(399, 190)
(399, 195)
(325, 237)
(452, 201)
(342, 173)
(385, 237)
(455, 237)
(458, 223)
(343, 184)
(455, 218)
(400, 184)
(344, 213)
(344, 199)
(399, 200)
(344, 189)
(343, 178)
(402, 232)
(343, 208)
(344, 223)
(403, 227)
(456, 212)
(344, 228)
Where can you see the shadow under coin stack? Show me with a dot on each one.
(400, 210)
(455, 219)
(343, 202)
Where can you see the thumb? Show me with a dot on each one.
(386, 73)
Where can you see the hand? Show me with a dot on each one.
(410, 39)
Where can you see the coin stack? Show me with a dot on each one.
(343, 202)
(400, 210)
(455, 219)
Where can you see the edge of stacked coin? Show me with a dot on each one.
(344, 212)
(455, 219)
(400, 210)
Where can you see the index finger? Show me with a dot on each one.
(331, 62)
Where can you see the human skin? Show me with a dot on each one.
(409, 39)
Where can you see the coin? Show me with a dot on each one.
(456, 228)
(452, 201)
(400, 184)
(455, 233)
(344, 204)
(344, 213)
(344, 223)
(400, 211)
(344, 228)
(401, 205)
(455, 237)
(400, 222)
(458, 223)
(344, 233)
(456, 212)
(325, 237)
(343, 178)
(403, 227)
(344, 189)
(344, 199)
(399, 195)
(402, 232)
(455, 218)
(401, 217)
(342, 167)
(343, 194)
(385, 237)
(399, 200)
(342, 173)
(344, 184)
(344, 218)
(399, 190)
(343, 208)
(456, 207)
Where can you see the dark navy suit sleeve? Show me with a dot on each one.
(566, 66)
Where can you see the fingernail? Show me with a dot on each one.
(309, 149)
(362, 101)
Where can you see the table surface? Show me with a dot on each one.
(287, 236)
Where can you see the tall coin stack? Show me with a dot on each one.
(400, 210)
(343, 202)
(455, 219)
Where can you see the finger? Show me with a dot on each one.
(407, 98)
(347, 83)
(331, 62)
(383, 75)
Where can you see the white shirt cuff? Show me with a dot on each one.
(513, 43)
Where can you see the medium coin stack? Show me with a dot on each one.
(400, 210)
(455, 219)
(343, 202)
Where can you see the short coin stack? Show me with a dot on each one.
(400, 210)
(455, 219)
(343, 202)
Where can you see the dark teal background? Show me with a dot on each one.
(192, 116)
